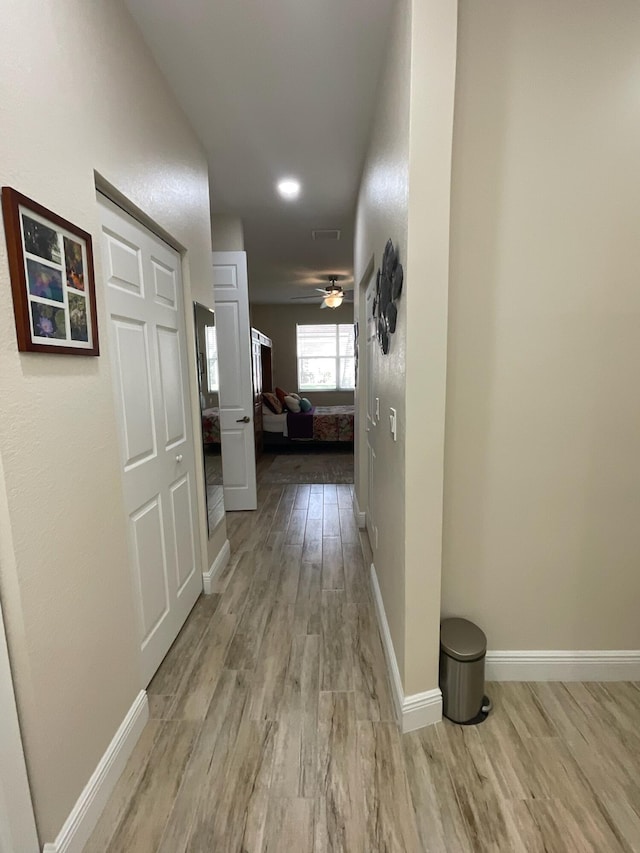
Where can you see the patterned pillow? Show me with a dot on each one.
(271, 401)
(280, 394)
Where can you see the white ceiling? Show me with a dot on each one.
(277, 88)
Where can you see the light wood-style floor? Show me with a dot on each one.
(273, 731)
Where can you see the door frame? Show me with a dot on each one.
(17, 818)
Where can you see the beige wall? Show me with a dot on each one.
(382, 213)
(542, 441)
(405, 195)
(433, 74)
(227, 233)
(279, 322)
(78, 92)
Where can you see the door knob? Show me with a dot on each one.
(244, 420)
(179, 457)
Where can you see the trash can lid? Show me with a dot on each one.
(462, 640)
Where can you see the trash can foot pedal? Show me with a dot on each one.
(481, 716)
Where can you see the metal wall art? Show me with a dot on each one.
(388, 290)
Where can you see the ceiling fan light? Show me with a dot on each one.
(334, 300)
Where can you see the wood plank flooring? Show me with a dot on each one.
(272, 725)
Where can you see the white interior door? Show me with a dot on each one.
(371, 410)
(231, 294)
(149, 365)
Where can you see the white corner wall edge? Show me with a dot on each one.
(563, 665)
(360, 517)
(90, 804)
(415, 711)
(216, 567)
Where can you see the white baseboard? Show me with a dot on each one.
(360, 517)
(421, 709)
(563, 665)
(81, 822)
(397, 691)
(216, 567)
(415, 711)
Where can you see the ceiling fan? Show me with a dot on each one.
(332, 295)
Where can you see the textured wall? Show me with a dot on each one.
(227, 233)
(382, 212)
(433, 74)
(542, 492)
(405, 195)
(78, 92)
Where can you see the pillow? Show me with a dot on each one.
(295, 396)
(280, 394)
(305, 405)
(271, 402)
(292, 404)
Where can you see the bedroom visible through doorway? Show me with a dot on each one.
(304, 378)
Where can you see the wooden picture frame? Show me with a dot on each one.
(52, 279)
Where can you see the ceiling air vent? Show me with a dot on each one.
(324, 234)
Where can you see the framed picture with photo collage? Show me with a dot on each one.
(52, 279)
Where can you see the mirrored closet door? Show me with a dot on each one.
(207, 350)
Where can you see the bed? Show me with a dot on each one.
(274, 424)
(211, 425)
(322, 424)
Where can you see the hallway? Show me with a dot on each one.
(272, 725)
(273, 704)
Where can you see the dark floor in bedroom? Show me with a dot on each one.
(317, 466)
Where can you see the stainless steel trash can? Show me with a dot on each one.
(463, 647)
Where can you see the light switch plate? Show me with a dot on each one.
(393, 422)
(377, 408)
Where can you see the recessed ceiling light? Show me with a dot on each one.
(289, 188)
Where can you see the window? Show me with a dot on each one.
(212, 359)
(326, 357)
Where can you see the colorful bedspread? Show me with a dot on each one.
(211, 426)
(333, 423)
